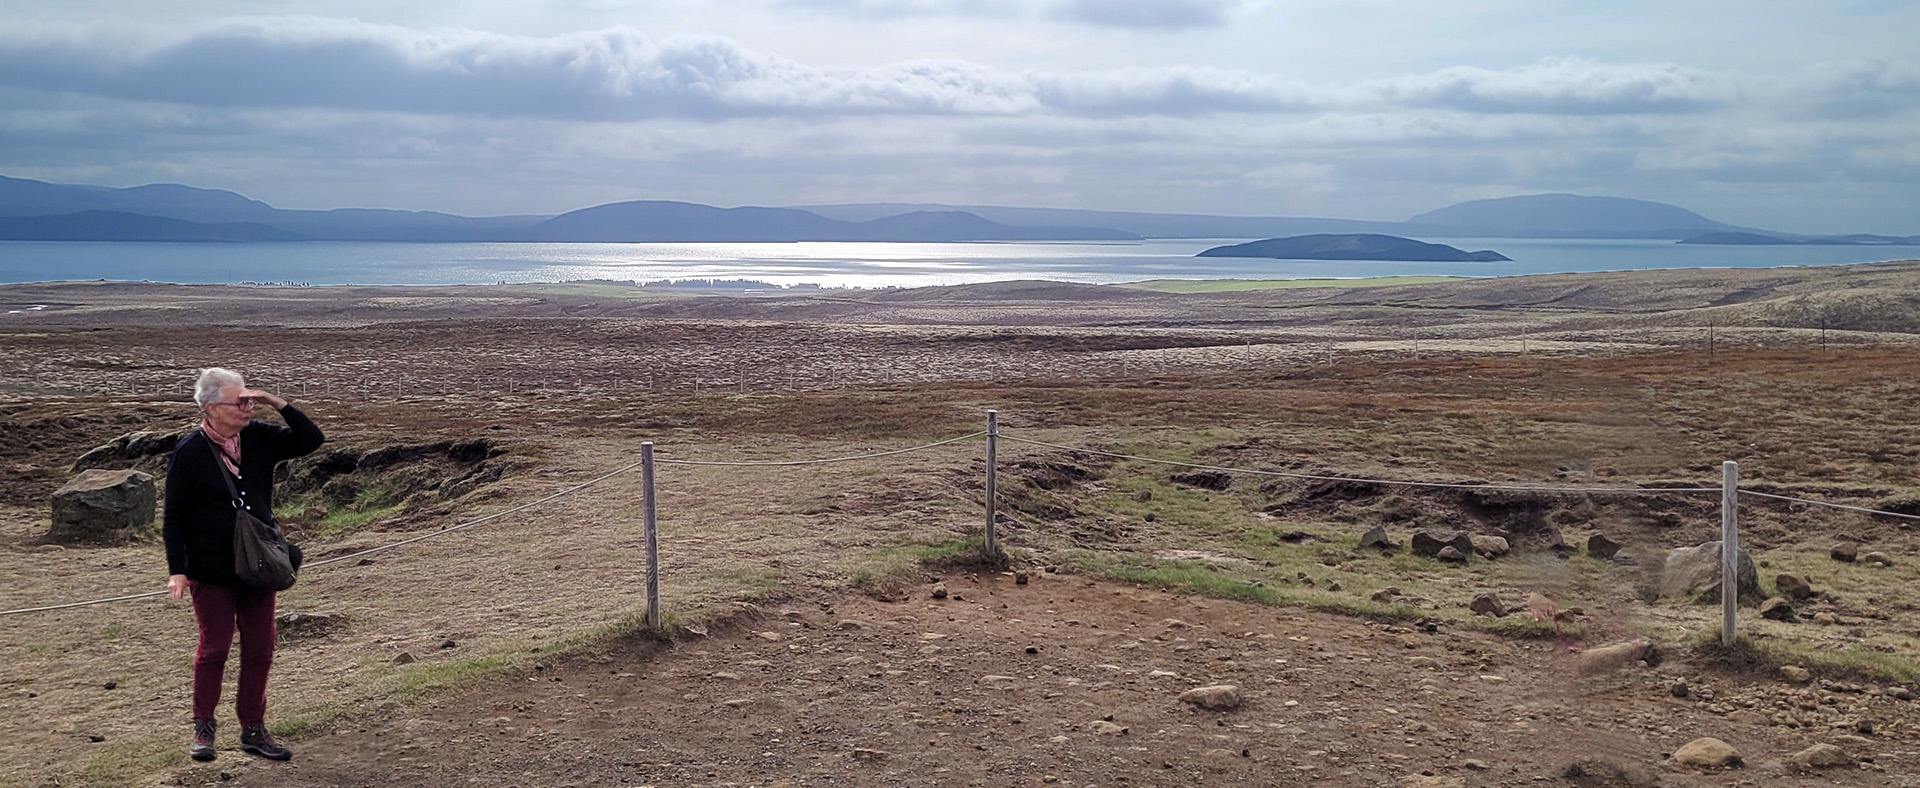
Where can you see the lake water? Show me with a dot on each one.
(838, 264)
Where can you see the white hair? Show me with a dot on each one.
(206, 390)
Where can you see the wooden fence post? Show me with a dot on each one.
(652, 534)
(1729, 548)
(991, 544)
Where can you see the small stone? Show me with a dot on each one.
(1795, 674)
(448, 643)
(1107, 728)
(1216, 697)
(1678, 688)
(1383, 596)
(1490, 546)
(1776, 609)
(1599, 546)
(1486, 603)
(1706, 753)
(851, 625)
(1844, 552)
(403, 658)
(96, 738)
(110, 685)
(864, 754)
(1825, 618)
(1819, 756)
(1793, 587)
(1333, 586)
(1143, 496)
(770, 635)
(1020, 578)
(939, 591)
(1450, 553)
(1377, 537)
(1900, 693)
(1876, 558)
(1033, 649)
(1475, 764)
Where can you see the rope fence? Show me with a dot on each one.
(1729, 490)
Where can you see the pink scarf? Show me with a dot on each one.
(229, 447)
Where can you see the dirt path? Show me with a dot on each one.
(1072, 682)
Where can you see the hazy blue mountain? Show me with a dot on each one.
(1533, 216)
(377, 224)
(1150, 225)
(121, 226)
(20, 197)
(1352, 246)
(959, 226)
(659, 221)
(1570, 216)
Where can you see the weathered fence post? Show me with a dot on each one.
(653, 535)
(1729, 548)
(991, 544)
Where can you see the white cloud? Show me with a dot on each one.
(620, 74)
(1133, 14)
(1563, 86)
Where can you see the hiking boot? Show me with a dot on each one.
(202, 749)
(254, 740)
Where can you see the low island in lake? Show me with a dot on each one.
(1758, 239)
(1353, 246)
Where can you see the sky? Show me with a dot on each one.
(1791, 115)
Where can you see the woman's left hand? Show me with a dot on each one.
(260, 396)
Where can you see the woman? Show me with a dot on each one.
(198, 529)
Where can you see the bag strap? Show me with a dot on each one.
(225, 476)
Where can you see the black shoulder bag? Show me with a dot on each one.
(262, 556)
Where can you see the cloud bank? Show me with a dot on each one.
(621, 74)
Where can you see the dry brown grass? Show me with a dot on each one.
(1322, 388)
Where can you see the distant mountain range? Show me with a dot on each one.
(39, 211)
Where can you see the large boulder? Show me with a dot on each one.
(1693, 573)
(103, 506)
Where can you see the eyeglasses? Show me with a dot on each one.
(243, 402)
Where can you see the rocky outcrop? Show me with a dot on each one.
(128, 449)
(103, 507)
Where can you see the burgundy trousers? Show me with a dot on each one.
(220, 610)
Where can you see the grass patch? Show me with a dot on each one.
(1240, 285)
(887, 571)
(123, 762)
(1769, 655)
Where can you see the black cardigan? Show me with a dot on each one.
(197, 519)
